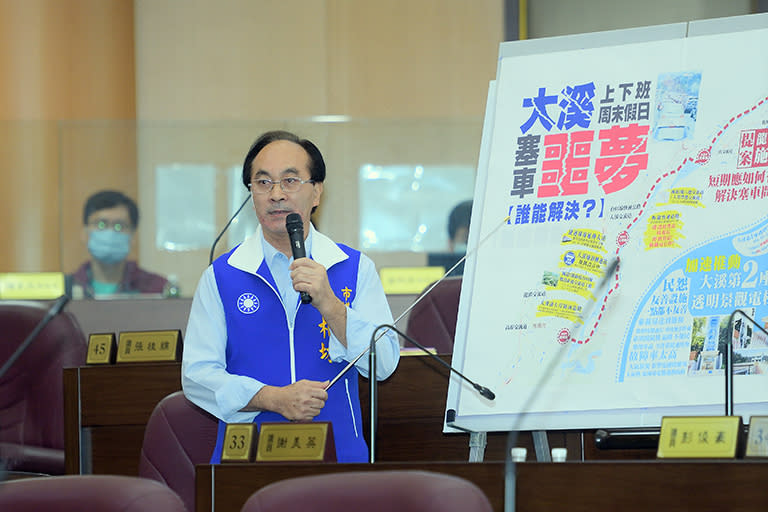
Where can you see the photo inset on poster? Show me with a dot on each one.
(709, 338)
(677, 100)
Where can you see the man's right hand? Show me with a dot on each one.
(300, 401)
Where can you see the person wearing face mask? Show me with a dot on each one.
(110, 219)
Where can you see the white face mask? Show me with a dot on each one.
(460, 248)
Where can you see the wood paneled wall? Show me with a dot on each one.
(61, 61)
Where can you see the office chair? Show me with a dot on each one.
(432, 322)
(371, 491)
(178, 435)
(32, 392)
(95, 493)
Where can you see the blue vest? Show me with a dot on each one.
(259, 339)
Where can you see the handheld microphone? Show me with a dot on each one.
(54, 310)
(295, 228)
(210, 256)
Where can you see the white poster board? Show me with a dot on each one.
(650, 149)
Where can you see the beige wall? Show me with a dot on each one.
(211, 76)
(557, 17)
(411, 59)
(281, 59)
(204, 77)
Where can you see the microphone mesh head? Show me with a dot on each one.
(293, 222)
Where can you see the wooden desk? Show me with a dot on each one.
(106, 409)
(637, 486)
(640, 486)
(411, 410)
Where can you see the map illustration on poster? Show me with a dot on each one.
(648, 158)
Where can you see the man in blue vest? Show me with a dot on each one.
(253, 351)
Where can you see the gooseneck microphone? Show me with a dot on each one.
(295, 228)
(213, 246)
(54, 310)
(728, 359)
(419, 299)
(484, 391)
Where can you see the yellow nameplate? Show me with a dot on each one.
(31, 285)
(296, 442)
(416, 351)
(102, 349)
(238, 442)
(700, 437)
(757, 439)
(409, 280)
(149, 346)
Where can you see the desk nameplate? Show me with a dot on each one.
(239, 442)
(757, 439)
(149, 346)
(31, 285)
(296, 442)
(102, 349)
(700, 437)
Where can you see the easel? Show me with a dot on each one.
(479, 440)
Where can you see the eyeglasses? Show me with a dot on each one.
(289, 185)
(103, 225)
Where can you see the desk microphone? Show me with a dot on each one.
(485, 392)
(510, 470)
(419, 299)
(210, 256)
(295, 228)
(610, 270)
(728, 359)
(646, 439)
(54, 310)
